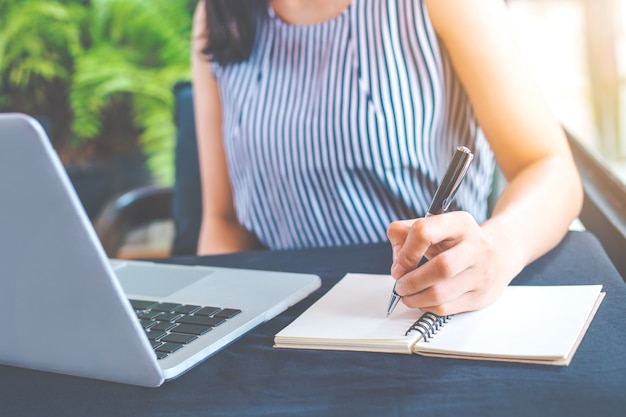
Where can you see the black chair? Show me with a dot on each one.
(181, 203)
(604, 206)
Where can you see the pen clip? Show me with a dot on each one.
(459, 178)
(451, 181)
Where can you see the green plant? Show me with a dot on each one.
(86, 63)
(137, 51)
(39, 41)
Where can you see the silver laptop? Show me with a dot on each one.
(65, 307)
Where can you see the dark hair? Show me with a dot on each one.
(231, 29)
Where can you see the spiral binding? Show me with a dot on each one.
(428, 325)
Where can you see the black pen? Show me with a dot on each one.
(443, 197)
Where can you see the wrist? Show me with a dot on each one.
(509, 248)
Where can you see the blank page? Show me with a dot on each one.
(352, 316)
(525, 322)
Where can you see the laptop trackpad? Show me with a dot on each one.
(157, 280)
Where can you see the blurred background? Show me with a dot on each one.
(577, 51)
(99, 75)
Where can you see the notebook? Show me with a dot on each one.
(65, 307)
(536, 324)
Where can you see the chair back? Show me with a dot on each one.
(187, 199)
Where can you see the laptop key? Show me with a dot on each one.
(156, 334)
(167, 317)
(207, 311)
(148, 315)
(169, 347)
(183, 339)
(146, 324)
(201, 320)
(228, 313)
(141, 304)
(166, 307)
(192, 329)
(187, 309)
(163, 326)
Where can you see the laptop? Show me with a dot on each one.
(67, 308)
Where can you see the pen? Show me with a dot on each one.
(443, 198)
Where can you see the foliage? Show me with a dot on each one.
(95, 58)
(38, 44)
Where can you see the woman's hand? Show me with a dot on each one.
(463, 271)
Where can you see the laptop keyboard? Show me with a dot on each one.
(171, 326)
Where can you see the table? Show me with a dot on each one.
(250, 378)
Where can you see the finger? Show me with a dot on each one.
(449, 227)
(468, 301)
(440, 293)
(443, 267)
(426, 233)
(409, 253)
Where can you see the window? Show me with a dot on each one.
(577, 51)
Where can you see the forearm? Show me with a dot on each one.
(223, 236)
(534, 212)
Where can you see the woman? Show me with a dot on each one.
(327, 122)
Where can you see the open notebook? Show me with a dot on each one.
(540, 324)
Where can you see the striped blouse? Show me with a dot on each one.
(334, 130)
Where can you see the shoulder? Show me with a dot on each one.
(456, 20)
(199, 16)
(199, 30)
(478, 38)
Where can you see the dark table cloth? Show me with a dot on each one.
(250, 378)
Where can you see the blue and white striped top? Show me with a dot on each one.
(334, 130)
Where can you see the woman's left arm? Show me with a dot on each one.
(470, 264)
